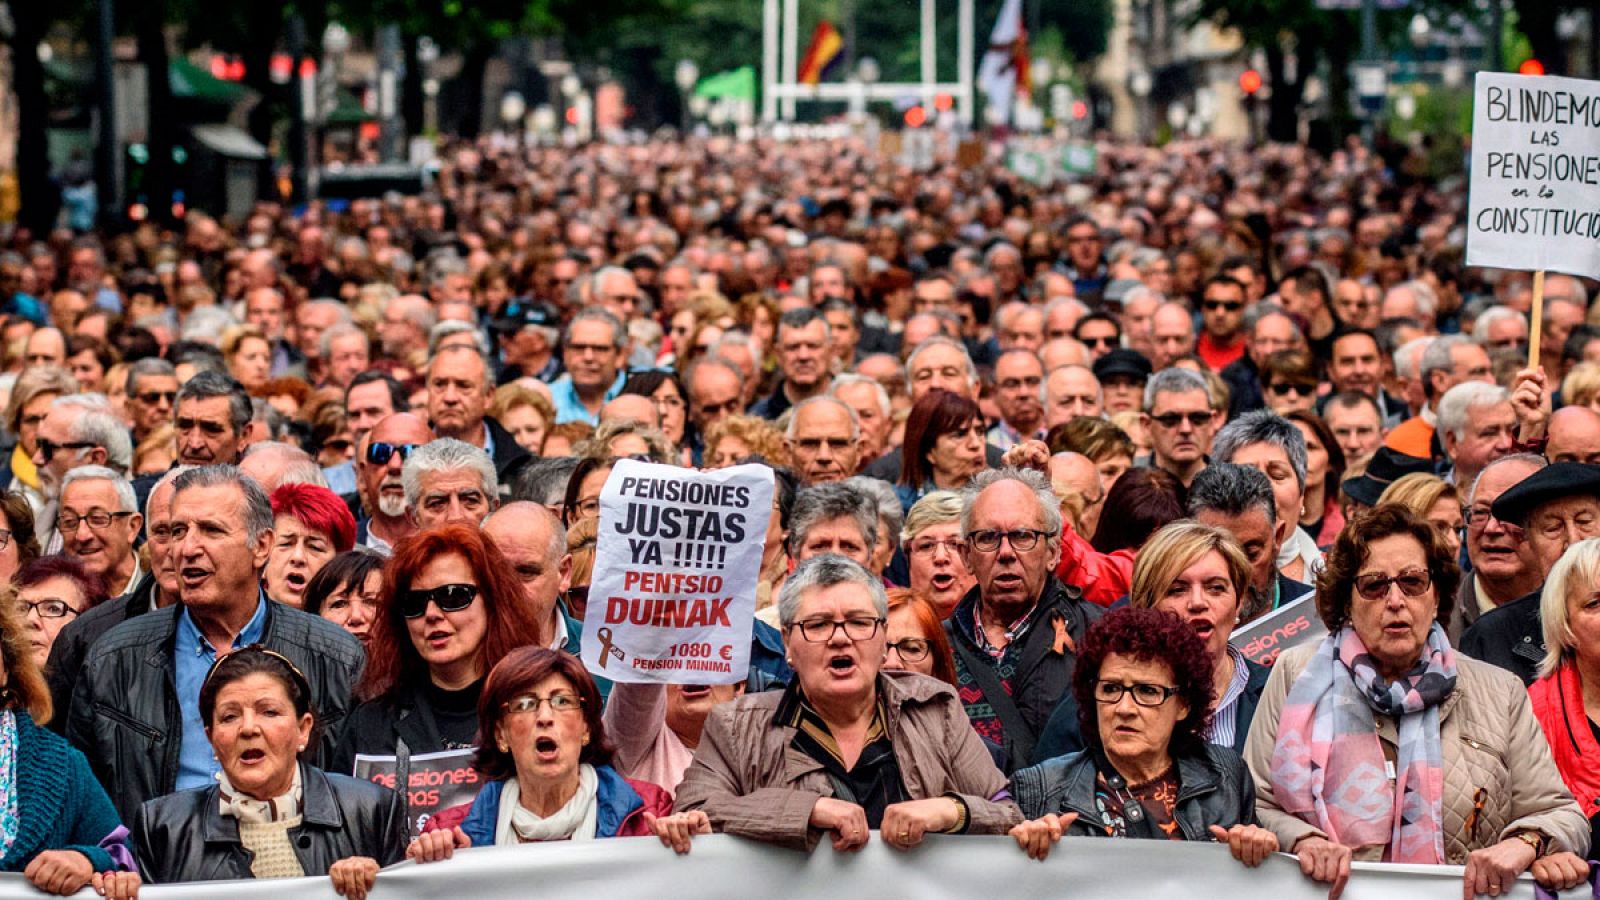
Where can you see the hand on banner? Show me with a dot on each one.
(1251, 844)
(432, 846)
(1560, 871)
(354, 876)
(59, 871)
(1530, 400)
(905, 824)
(1028, 455)
(1323, 860)
(1494, 870)
(676, 830)
(1037, 836)
(125, 885)
(847, 821)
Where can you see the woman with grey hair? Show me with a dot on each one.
(848, 747)
(1267, 441)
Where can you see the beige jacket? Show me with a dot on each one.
(1493, 749)
(752, 783)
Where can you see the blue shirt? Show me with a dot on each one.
(192, 658)
(571, 409)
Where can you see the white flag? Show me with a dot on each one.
(1002, 68)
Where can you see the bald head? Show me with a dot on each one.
(637, 407)
(1574, 435)
(535, 544)
(399, 428)
(1077, 473)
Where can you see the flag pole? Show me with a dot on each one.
(1536, 319)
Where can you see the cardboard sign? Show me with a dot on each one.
(1287, 626)
(1535, 191)
(678, 556)
(437, 781)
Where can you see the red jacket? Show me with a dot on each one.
(1104, 578)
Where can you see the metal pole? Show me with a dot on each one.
(108, 146)
(390, 65)
(965, 36)
(930, 50)
(299, 140)
(1497, 32)
(791, 52)
(769, 60)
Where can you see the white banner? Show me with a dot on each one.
(673, 597)
(961, 868)
(1535, 191)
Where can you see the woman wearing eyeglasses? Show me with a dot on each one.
(1143, 684)
(931, 541)
(943, 448)
(548, 764)
(1381, 743)
(52, 591)
(450, 609)
(848, 747)
(917, 642)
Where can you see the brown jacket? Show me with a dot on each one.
(752, 783)
(1494, 751)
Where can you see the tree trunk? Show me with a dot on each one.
(474, 61)
(161, 133)
(265, 23)
(40, 196)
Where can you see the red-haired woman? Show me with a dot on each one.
(548, 765)
(943, 446)
(310, 525)
(451, 608)
(917, 642)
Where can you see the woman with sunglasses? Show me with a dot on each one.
(450, 609)
(1289, 381)
(1381, 743)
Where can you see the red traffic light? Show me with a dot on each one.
(1250, 81)
(1531, 67)
(916, 116)
(1080, 109)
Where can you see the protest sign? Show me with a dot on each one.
(434, 781)
(1287, 626)
(673, 597)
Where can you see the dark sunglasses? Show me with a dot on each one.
(379, 453)
(448, 597)
(49, 448)
(1412, 582)
(150, 398)
(1285, 388)
(1229, 305)
(1171, 420)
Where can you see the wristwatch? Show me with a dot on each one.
(1533, 839)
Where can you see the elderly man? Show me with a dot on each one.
(942, 363)
(1268, 329)
(313, 319)
(447, 480)
(1554, 508)
(152, 388)
(1179, 421)
(1573, 435)
(1503, 566)
(1448, 361)
(1238, 499)
(716, 389)
(212, 413)
(1069, 392)
(1476, 426)
(1016, 632)
(45, 347)
(824, 440)
(459, 391)
(534, 542)
(593, 351)
(1018, 377)
(1171, 334)
(870, 402)
(380, 462)
(135, 711)
(371, 396)
(1356, 423)
(1020, 327)
(805, 360)
(99, 522)
(403, 330)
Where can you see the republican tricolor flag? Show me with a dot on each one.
(1003, 73)
(825, 50)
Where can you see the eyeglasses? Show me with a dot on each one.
(151, 398)
(1479, 517)
(1285, 388)
(5, 538)
(1172, 419)
(379, 453)
(560, 702)
(931, 547)
(596, 349)
(1147, 695)
(821, 631)
(911, 649)
(448, 597)
(988, 541)
(67, 523)
(1412, 582)
(49, 448)
(49, 608)
(1225, 305)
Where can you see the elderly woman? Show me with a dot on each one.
(847, 747)
(451, 609)
(348, 591)
(931, 541)
(1271, 443)
(1143, 684)
(917, 642)
(1569, 676)
(248, 354)
(525, 413)
(1432, 499)
(547, 764)
(1200, 574)
(944, 445)
(617, 438)
(65, 832)
(19, 545)
(1385, 693)
(732, 438)
(270, 815)
(51, 592)
(666, 391)
(310, 525)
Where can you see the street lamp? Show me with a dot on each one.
(512, 108)
(687, 75)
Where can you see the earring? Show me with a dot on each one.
(503, 747)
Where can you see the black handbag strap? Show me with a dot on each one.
(1020, 739)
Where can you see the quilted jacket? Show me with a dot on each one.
(1495, 756)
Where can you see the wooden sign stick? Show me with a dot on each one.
(1536, 319)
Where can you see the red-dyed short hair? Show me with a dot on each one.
(927, 618)
(1154, 635)
(318, 509)
(517, 674)
(393, 662)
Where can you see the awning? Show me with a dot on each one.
(229, 141)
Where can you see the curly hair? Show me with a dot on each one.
(1154, 636)
(508, 397)
(1337, 581)
(515, 675)
(761, 436)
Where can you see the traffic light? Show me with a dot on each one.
(916, 116)
(1250, 82)
(1531, 67)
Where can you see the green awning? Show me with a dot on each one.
(191, 82)
(739, 84)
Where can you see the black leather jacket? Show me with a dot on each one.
(185, 836)
(72, 644)
(125, 714)
(1214, 788)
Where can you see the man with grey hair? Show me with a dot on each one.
(1447, 361)
(312, 319)
(833, 518)
(403, 330)
(1016, 633)
(274, 463)
(1179, 421)
(593, 351)
(615, 289)
(804, 347)
(152, 388)
(79, 430)
(381, 454)
(870, 402)
(1476, 426)
(213, 411)
(460, 386)
(452, 332)
(447, 480)
(346, 353)
(1500, 328)
(99, 523)
(824, 439)
(1239, 500)
(1503, 566)
(143, 679)
(544, 481)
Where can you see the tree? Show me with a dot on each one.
(40, 196)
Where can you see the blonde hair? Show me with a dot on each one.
(1581, 384)
(933, 508)
(1176, 547)
(599, 444)
(581, 538)
(235, 337)
(1577, 569)
(511, 396)
(1418, 492)
(764, 438)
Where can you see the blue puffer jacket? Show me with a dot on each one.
(620, 807)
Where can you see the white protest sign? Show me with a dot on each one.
(673, 597)
(1535, 190)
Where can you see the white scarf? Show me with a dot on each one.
(245, 808)
(574, 821)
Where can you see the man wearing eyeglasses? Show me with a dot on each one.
(1222, 316)
(1017, 631)
(593, 352)
(1502, 564)
(380, 460)
(98, 522)
(1179, 422)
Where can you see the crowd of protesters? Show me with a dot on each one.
(312, 495)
